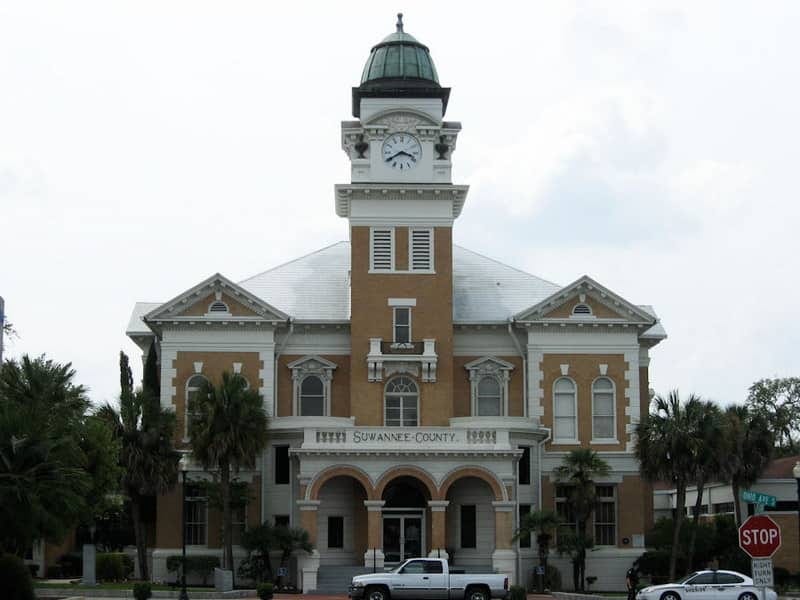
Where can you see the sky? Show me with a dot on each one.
(650, 145)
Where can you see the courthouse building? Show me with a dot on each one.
(420, 394)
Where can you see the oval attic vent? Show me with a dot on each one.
(581, 309)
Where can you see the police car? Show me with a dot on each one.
(708, 585)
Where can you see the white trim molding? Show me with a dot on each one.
(489, 366)
(316, 366)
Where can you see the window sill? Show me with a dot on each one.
(600, 441)
(396, 272)
(565, 442)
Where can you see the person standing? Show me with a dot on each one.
(632, 580)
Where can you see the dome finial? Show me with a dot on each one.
(400, 22)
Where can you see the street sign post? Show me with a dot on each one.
(759, 498)
(760, 537)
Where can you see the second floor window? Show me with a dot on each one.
(312, 397)
(490, 399)
(565, 410)
(402, 325)
(401, 403)
(193, 386)
(603, 409)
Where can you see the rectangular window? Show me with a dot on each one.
(281, 465)
(196, 507)
(420, 249)
(723, 507)
(281, 520)
(468, 530)
(605, 516)
(402, 325)
(525, 466)
(564, 511)
(524, 540)
(335, 532)
(381, 249)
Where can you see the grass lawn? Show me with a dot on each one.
(116, 586)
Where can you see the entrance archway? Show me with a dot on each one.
(405, 525)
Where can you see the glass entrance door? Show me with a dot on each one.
(402, 537)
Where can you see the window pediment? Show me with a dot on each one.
(311, 383)
(488, 378)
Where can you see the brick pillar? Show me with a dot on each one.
(438, 528)
(374, 554)
(308, 518)
(504, 557)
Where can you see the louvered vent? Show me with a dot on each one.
(421, 250)
(382, 250)
(581, 309)
(218, 307)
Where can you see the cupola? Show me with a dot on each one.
(399, 67)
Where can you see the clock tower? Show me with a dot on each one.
(401, 205)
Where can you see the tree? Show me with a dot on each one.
(257, 542)
(48, 479)
(749, 444)
(228, 430)
(148, 459)
(578, 471)
(151, 379)
(667, 446)
(711, 454)
(540, 523)
(778, 402)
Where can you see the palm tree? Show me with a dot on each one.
(709, 459)
(228, 430)
(579, 470)
(667, 446)
(749, 448)
(541, 523)
(43, 478)
(148, 459)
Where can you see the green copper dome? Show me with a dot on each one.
(399, 56)
(399, 67)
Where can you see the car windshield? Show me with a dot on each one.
(687, 578)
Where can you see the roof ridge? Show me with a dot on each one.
(294, 260)
(494, 260)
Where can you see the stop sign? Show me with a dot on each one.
(759, 536)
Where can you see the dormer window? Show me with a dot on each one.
(582, 310)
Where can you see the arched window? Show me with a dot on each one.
(193, 385)
(312, 397)
(603, 413)
(565, 410)
(401, 403)
(490, 399)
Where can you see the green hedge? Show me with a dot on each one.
(201, 565)
(517, 592)
(114, 566)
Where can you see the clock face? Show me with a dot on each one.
(401, 151)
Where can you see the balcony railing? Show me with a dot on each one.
(402, 347)
(416, 358)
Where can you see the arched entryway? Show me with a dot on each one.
(470, 522)
(405, 524)
(342, 533)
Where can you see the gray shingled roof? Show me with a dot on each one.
(316, 287)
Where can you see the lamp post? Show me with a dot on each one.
(796, 473)
(184, 464)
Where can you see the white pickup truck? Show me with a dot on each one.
(428, 579)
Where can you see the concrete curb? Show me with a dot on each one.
(100, 593)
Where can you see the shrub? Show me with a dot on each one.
(15, 579)
(201, 565)
(71, 565)
(142, 591)
(34, 569)
(264, 591)
(114, 566)
(517, 592)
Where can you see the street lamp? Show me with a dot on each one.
(796, 473)
(184, 466)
